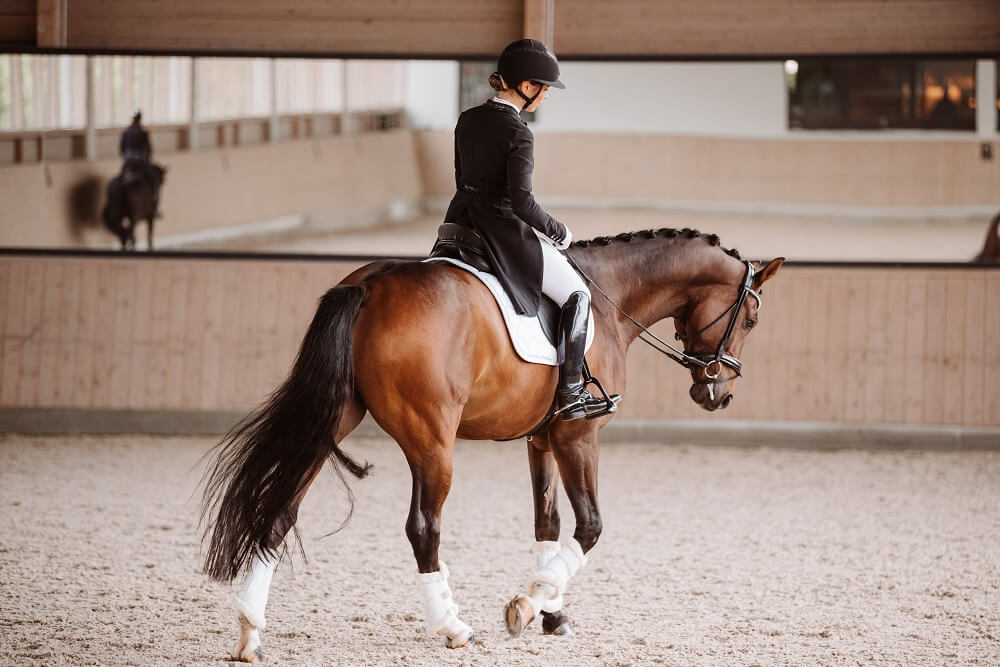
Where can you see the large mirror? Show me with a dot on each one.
(889, 159)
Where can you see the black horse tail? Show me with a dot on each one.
(264, 464)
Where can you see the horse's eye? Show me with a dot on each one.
(749, 324)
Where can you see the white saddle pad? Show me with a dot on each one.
(525, 331)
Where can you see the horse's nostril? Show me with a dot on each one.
(726, 401)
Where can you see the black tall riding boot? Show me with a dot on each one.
(574, 400)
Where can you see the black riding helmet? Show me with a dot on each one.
(528, 60)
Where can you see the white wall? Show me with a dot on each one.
(726, 99)
(431, 94)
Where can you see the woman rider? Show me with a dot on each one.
(493, 164)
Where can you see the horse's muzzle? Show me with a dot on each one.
(710, 397)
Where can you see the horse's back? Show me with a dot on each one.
(431, 335)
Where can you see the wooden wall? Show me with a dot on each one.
(775, 27)
(580, 28)
(795, 171)
(17, 22)
(873, 345)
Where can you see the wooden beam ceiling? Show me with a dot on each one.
(603, 29)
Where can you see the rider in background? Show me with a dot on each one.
(494, 160)
(137, 152)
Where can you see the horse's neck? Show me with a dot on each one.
(652, 279)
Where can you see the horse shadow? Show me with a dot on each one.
(83, 205)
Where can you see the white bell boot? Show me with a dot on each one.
(440, 610)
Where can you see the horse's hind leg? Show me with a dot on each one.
(252, 598)
(430, 460)
(544, 486)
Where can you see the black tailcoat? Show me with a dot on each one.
(493, 163)
(135, 140)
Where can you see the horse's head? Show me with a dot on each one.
(713, 329)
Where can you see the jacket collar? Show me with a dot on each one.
(494, 103)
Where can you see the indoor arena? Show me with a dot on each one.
(702, 366)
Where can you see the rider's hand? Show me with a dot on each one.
(564, 243)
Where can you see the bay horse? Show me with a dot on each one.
(423, 348)
(130, 200)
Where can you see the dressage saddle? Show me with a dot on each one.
(466, 245)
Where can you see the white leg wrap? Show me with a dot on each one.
(544, 552)
(440, 610)
(549, 582)
(252, 598)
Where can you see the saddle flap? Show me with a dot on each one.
(535, 339)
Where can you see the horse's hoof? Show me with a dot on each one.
(563, 630)
(461, 641)
(556, 623)
(518, 615)
(253, 657)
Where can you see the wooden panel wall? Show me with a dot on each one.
(866, 345)
(798, 170)
(775, 27)
(375, 27)
(595, 28)
(17, 23)
(883, 345)
(152, 334)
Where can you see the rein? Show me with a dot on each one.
(691, 362)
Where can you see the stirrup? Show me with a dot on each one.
(589, 406)
(611, 401)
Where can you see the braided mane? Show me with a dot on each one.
(666, 232)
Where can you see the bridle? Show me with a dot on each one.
(711, 363)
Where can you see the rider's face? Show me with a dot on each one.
(530, 88)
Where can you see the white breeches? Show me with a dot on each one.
(559, 279)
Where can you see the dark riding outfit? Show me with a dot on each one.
(494, 159)
(137, 152)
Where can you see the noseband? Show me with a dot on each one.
(711, 363)
(720, 358)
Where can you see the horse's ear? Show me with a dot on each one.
(767, 272)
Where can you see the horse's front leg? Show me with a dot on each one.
(576, 458)
(544, 486)
(431, 468)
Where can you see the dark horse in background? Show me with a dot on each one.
(422, 347)
(131, 199)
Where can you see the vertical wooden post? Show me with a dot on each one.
(538, 20)
(346, 126)
(50, 23)
(193, 110)
(90, 131)
(273, 126)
